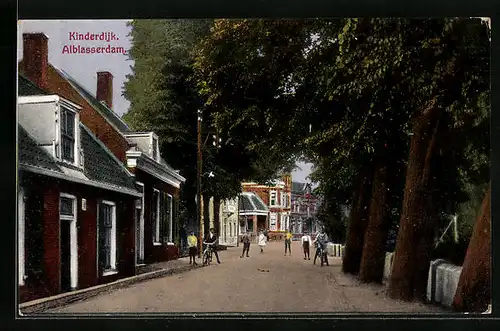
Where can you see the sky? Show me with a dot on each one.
(84, 67)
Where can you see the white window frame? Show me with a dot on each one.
(271, 203)
(273, 216)
(140, 241)
(21, 231)
(156, 239)
(112, 270)
(77, 157)
(170, 217)
(73, 238)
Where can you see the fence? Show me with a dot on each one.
(335, 250)
(442, 281)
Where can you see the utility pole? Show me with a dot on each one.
(198, 185)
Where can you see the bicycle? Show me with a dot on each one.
(207, 253)
(322, 255)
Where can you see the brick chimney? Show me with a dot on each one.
(36, 58)
(105, 88)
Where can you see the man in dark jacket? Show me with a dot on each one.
(246, 244)
(212, 239)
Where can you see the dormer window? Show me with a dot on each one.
(68, 133)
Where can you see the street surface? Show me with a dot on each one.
(267, 282)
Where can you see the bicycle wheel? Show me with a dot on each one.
(205, 258)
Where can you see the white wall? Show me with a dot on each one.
(38, 119)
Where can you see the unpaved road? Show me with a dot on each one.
(268, 282)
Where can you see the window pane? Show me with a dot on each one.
(68, 135)
(68, 123)
(68, 147)
(66, 206)
(107, 238)
(107, 258)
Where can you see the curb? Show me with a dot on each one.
(40, 305)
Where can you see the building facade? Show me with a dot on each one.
(229, 222)
(75, 201)
(156, 222)
(277, 197)
(253, 215)
(305, 206)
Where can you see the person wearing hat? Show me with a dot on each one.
(212, 239)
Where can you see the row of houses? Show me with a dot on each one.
(277, 207)
(96, 200)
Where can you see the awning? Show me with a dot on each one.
(250, 203)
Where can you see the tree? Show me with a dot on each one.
(474, 286)
(461, 51)
(162, 97)
(329, 88)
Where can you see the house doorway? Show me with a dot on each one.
(68, 243)
(65, 255)
(261, 223)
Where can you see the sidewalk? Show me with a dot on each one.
(152, 271)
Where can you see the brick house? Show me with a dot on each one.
(253, 214)
(278, 200)
(156, 225)
(304, 209)
(75, 201)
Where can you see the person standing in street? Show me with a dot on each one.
(212, 239)
(262, 241)
(320, 241)
(193, 248)
(288, 242)
(246, 244)
(306, 242)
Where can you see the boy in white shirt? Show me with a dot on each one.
(306, 242)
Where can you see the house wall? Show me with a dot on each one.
(88, 273)
(153, 253)
(229, 222)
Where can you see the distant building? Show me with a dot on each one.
(228, 220)
(304, 209)
(277, 197)
(253, 214)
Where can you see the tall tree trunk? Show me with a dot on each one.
(473, 291)
(206, 214)
(217, 215)
(358, 220)
(415, 238)
(373, 257)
